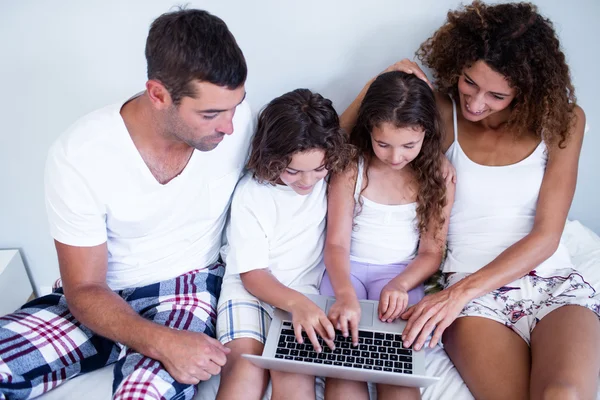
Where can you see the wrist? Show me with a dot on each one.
(465, 290)
(345, 292)
(294, 300)
(399, 282)
(153, 339)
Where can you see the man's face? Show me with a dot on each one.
(203, 121)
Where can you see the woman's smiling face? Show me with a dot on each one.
(483, 92)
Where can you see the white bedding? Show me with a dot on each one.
(583, 245)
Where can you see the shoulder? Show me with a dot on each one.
(346, 178)
(91, 136)
(444, 104)
(249, 193)
(243, 117)
(575, 135)
(579, 119)
(235, 148)
(445, 108)
(342, 184)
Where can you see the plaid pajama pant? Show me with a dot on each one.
(42, 345)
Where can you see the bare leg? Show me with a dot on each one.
(344, 389)
(565, 350)
(493, 360)
(390, 392)
(240, 379)
(288, 386)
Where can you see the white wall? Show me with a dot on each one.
(60, 60)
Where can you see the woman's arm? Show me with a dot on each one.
(394, 296)
(554, 201)
(350, 115)
(306, 315)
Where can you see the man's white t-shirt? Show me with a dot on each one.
(99, 189)
(274, 228)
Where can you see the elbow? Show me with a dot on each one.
(78, 295)
(249, 281)
(432, 260)
(246, 279)
(335, 249)
(546, 245)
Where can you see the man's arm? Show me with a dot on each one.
(83, 272)
(188, 356)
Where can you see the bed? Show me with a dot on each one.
(583, 245)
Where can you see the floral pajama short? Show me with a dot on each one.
(521, 304)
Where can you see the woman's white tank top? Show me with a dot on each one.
(494, 208)
(382, 234)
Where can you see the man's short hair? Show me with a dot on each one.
(188, 45)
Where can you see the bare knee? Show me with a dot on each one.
(560, 391)
(385, 392)
(239, 377)
(292, 386)
(345, 389)
(239, 347)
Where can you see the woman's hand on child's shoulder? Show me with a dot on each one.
(392, 301)
(308, 317)
(345, 315)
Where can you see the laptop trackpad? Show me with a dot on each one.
(366, 314)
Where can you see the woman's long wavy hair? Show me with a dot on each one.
(404, 100)
(517, 42)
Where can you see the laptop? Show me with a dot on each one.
(379, 357)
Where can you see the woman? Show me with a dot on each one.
(512, 300)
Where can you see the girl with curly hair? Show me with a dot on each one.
(388, 213)
(513, 298)
(275, 239)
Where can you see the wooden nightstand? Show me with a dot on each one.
(15, 287)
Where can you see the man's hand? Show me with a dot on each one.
(190, 357)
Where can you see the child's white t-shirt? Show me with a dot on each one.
(274, 228)
(99, 189)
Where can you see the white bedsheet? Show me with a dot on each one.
(583, 245)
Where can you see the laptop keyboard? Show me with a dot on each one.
(375, 351)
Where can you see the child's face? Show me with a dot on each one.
(396, 147)
(304, 171)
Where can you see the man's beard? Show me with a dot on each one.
(179, 130)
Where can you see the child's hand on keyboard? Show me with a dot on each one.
(345, 315)
(309, 317)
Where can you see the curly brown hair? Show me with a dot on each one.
(406, 101)
(295, 122)
(517, 42)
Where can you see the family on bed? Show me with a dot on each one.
(180, 224)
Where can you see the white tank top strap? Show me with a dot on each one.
(454, 119)
(359, 178)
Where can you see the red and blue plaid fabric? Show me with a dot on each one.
(42, 345)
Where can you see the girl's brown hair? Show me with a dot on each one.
(295, 122)
(517, 42)
(406, 101)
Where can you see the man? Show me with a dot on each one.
(137, 195)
